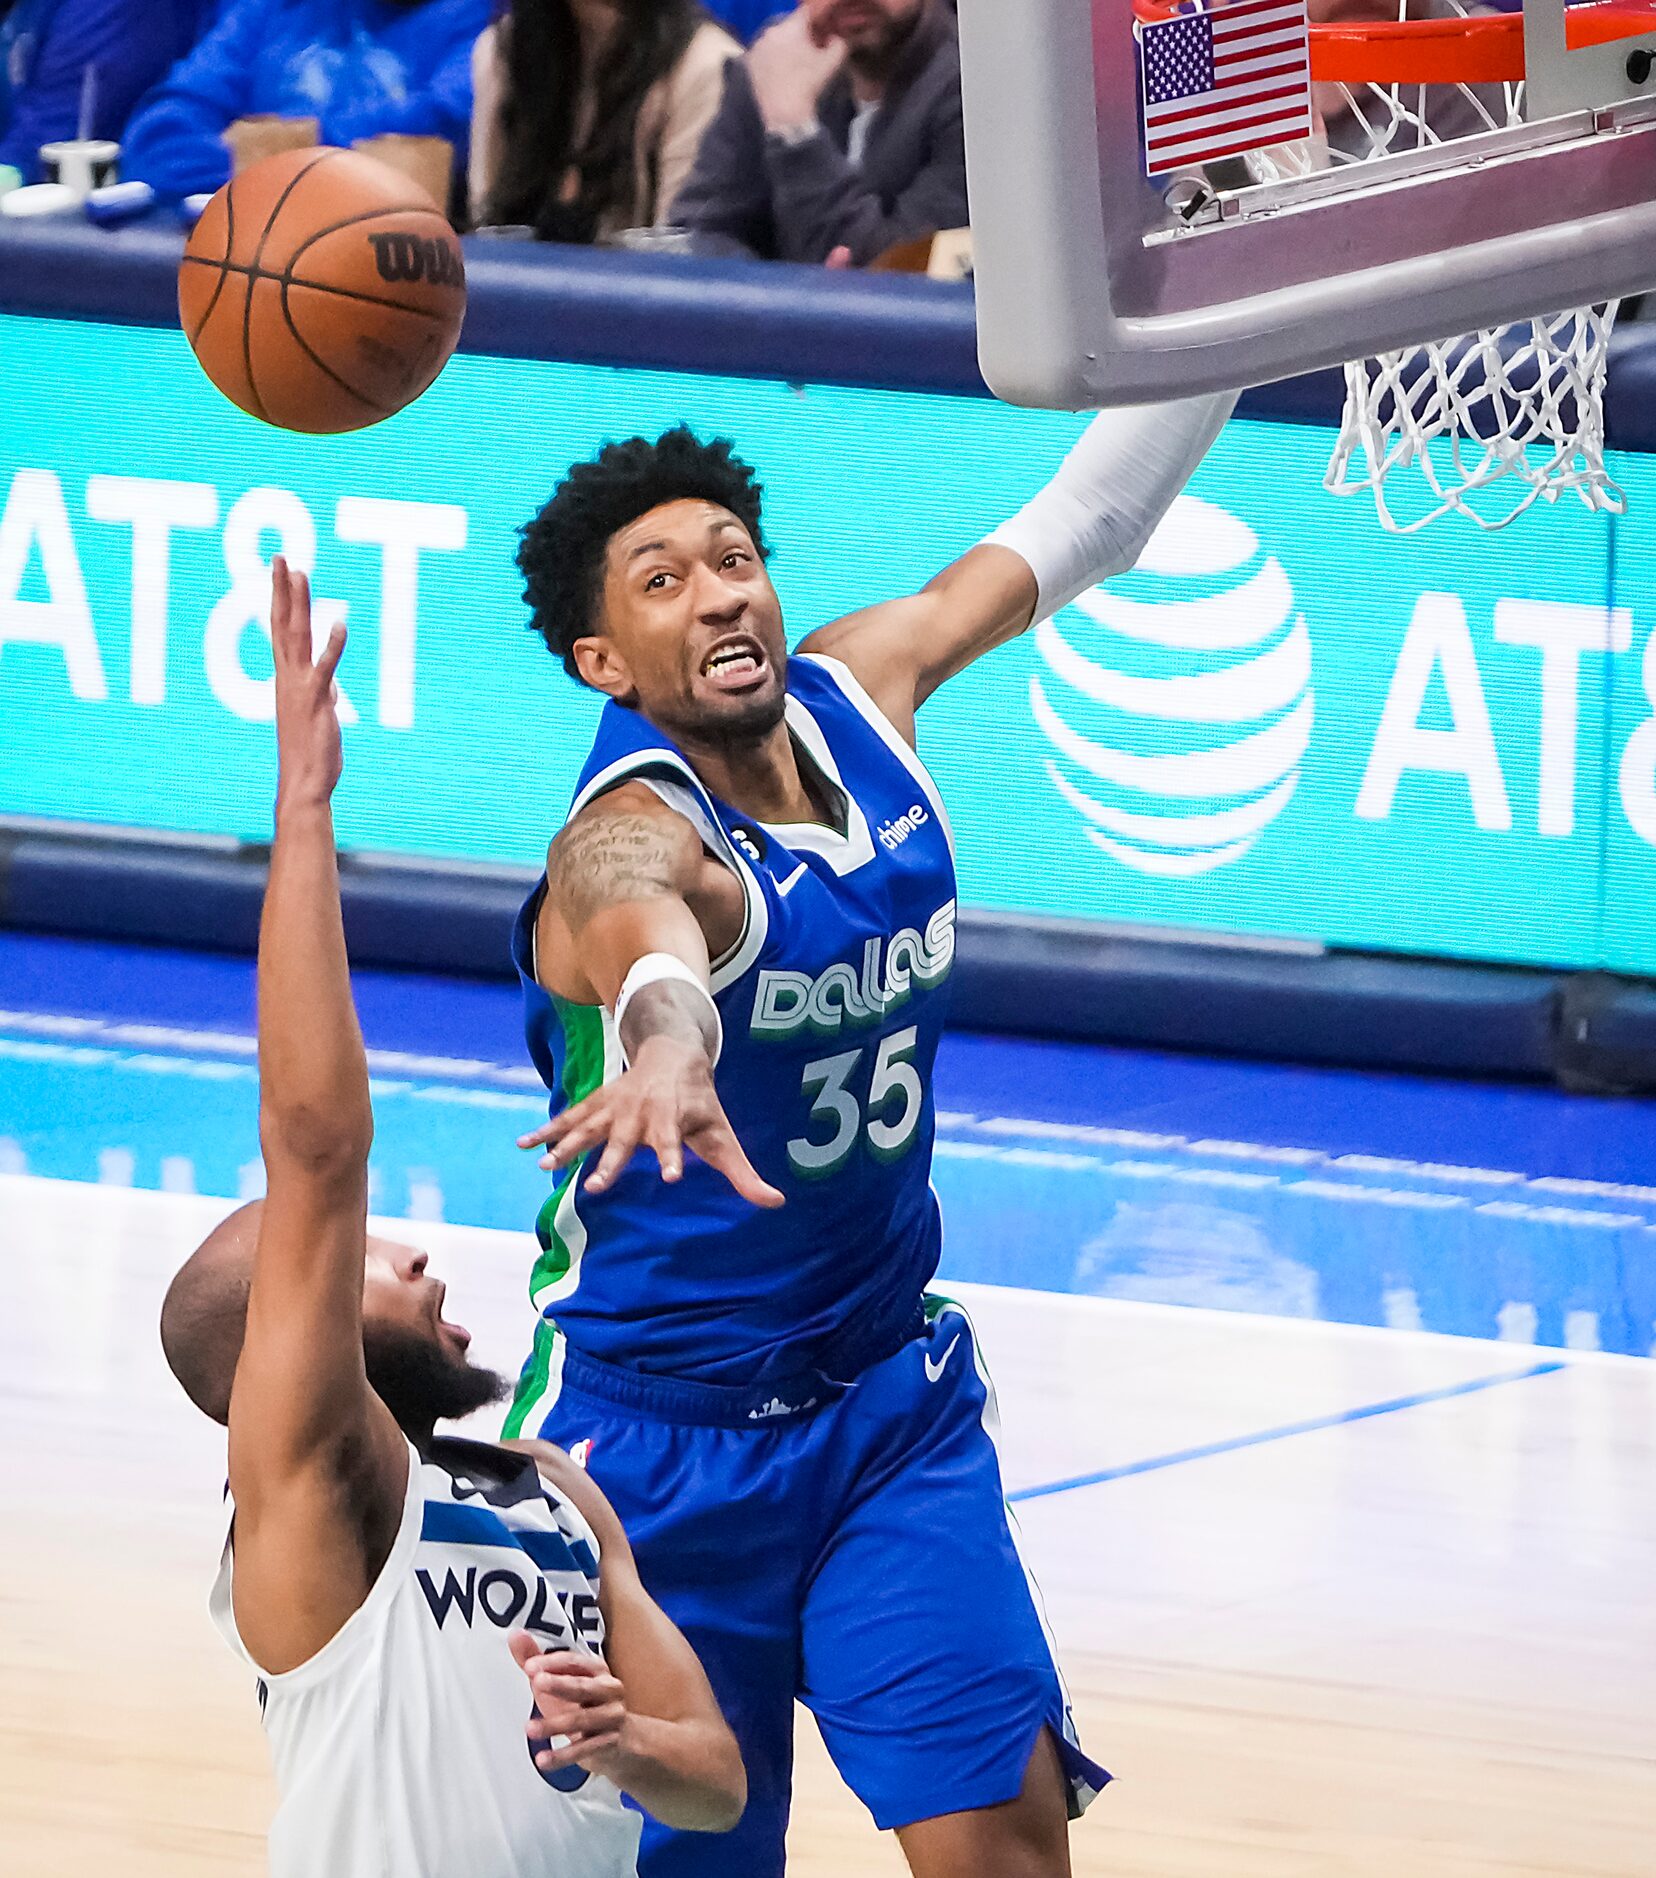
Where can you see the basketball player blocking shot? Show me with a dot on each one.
(741, 947)
(458, 1668)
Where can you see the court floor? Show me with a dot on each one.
(1332, 1599)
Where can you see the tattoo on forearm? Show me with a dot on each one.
(603, 860)
(669, 1008)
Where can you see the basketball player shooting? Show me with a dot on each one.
(391, 1588)
(741, 947)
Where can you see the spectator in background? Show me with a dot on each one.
(839, 136)
(588, 113)
(364, 68)
(46, 48)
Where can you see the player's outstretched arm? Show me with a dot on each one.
(645, 1717)
(317, 1465)
(631, 897)
(1091, 521)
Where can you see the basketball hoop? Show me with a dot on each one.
(1520, 405)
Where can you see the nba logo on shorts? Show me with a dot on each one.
(580, 1452)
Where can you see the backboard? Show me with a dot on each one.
(1093, 290)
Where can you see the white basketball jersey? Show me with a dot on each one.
(399, 1748)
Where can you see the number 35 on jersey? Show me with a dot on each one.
(871, 1092)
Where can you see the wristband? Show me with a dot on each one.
(658, 968)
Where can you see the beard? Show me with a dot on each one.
(726, 725)
(420, 1382)
(753, 722)
(877, 52)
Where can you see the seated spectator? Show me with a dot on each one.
(839, 136)
(364, 68)
(588, 113)
(47, 48)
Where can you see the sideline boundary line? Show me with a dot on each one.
(1230, 1446)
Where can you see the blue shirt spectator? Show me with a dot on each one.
(46, 47)
(363, 67)
(745, 17)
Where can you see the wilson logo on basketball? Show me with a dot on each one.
(402, 257)
(1179, 705)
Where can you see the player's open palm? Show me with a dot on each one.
(665, 1100)
(307, 723)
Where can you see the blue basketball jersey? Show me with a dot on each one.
(832, 1003)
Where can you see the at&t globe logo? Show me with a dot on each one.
(1178, 702)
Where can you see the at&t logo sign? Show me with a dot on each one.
(1178, 719)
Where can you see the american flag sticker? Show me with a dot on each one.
(1229, 79)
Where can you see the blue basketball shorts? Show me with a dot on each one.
(855, 1552)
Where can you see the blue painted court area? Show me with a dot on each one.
(1485, 1210)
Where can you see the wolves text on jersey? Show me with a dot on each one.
(509, 1602)
(841, 997)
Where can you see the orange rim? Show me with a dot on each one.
(1488, 50)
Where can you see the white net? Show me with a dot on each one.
(1520, 406)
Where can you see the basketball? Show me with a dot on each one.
(322, 291)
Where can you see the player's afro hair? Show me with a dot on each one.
(561, 552)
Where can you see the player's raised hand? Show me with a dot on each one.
(665, 1101)
(580, 1709)
(309, 753)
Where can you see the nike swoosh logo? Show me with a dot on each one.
(788, 885)
(934, 1370)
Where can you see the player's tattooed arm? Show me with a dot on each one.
(628, 878)
(641, 862)
(615, 853)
